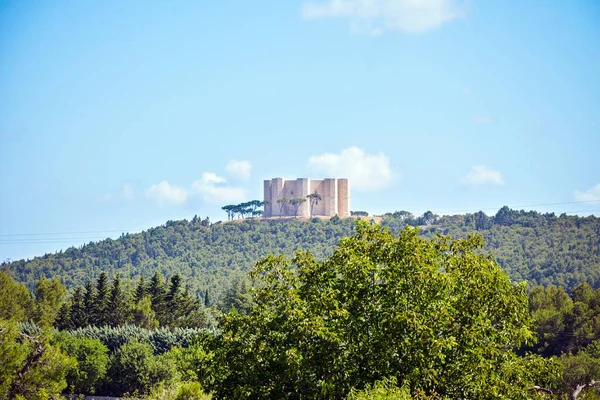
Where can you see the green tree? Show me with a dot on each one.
(143, 315)
(89, 303)
(78, 316)
(15, 300)
(49, 296)
(101, 299)
(30, 368)
(436, 315)
(136, 371)
(141, 290)
(117, 304)
(238, 297)
(92, 362)
(157, 293)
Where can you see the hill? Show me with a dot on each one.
(543, 249)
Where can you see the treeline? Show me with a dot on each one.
(386, 316)
(542, 249)
(149, 305)
(244, 210)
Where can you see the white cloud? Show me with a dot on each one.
(483, 120)
(366, 172)
(591, 195)
(481, 175)
(165, 193)
(410, 16)
(128, 193)
(239, 169)
(212, 190)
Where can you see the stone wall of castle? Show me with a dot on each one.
(334, 192)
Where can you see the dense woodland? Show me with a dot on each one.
(543, 249)
(385, 316)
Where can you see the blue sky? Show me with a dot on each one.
(118, 116)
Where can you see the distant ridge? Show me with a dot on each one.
(543, 249)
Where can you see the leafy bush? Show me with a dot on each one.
(135, 370)
(92, 362)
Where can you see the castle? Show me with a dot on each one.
(335, 197)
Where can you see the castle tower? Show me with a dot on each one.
(335, 194)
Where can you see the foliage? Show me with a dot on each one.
(204, 256)
(30, 368)
(15, 300)
(543, 249)
(565, 324)
(49, 296)
(160, 340)
(582, 368)
(179, 391)
(436, 315)
(385, 389)
(92, 362)
(135, 370)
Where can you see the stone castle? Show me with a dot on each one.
(335, 194)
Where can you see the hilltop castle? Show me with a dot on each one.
(335, 194)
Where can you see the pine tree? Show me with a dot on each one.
(117, 304)
(206, 299)
(101, 312)
(157, 292)
(173, 301)
(88, 303)
(140, 290)
(63, 319)
(78, 316)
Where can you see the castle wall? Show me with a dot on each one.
(335, 195)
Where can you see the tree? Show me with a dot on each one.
(88, 302)
(30, 368)
(229, 210)
(15, 300)
(296, 203)
(92, 362)
(117, 304)
(136, 370)
(157, 292)
(283, 202)
(143, 315)
(101, 299)
(49, 296)
(141, 290)
(77, 314)
(436, 315)
(314, 199)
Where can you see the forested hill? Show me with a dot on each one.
(541, 248)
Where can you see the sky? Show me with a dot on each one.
(117, 116)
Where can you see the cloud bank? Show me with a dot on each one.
(239, 169)
(210, 188)
(482, 175)
(164, 194)
(408, 16)
(367, 172)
